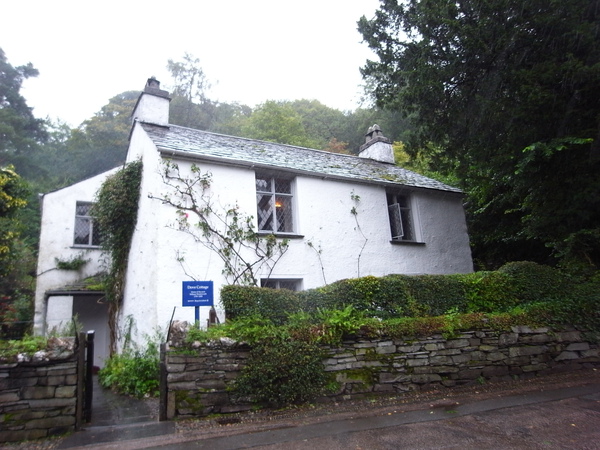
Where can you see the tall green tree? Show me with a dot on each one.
(13, 197)
(20, 132)
(190, 105)
(509, 89)
(17, 262)
(100, 143)
(277, 122)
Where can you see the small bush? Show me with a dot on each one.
(282, 371)
(250, 329)
(28, 346)
(133, 372)
(337, 323)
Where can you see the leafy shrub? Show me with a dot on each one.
(249, 329)
(580, 308)
(337, 323)
(489, 291)
(534, 282)
(395, 296)
(436, 294)
(282, 371)
(240, 301)
(134, 372)
(28, 345)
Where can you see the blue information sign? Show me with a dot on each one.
(198, 293)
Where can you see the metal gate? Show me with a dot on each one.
(85, 372)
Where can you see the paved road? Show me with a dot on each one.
(560, 418)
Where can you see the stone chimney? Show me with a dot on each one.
(377, 146)
(152, 105)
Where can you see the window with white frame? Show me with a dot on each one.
(277, 283)
(86, 230)
(274, 201)
(400, 211)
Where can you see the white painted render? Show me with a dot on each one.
(380, 151)
(54, 312)
(59, 311)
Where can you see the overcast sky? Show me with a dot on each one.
(251, 50)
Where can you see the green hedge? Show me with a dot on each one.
(394, 296)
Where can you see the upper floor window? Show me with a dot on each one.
(86, 231)
(401, 216)
(274, 201)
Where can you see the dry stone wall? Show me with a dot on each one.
(198, 385)
(38, 399)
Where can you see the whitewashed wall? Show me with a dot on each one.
(56, 241)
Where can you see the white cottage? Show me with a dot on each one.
(342, 216)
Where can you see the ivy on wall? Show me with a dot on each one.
(115, 212)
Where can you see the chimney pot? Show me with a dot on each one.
(153, 83)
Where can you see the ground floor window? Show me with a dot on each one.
(290, 284)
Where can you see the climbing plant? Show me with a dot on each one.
(224, 230)
(354, 211)
(115, 212)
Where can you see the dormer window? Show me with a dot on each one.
(274, 201)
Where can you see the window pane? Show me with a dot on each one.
(96, 234)
(283, 186)
(396, 221)
(403, 201)
(283, 207)
(292, 285)
(407, 224)
(82, 209)
(265, 212)
(263, 184)
(272, 284)
(82, 231)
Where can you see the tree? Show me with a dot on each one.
(100, 143)
(277, 122)
(20, 131)
(189, 79)
(190, 106)
(509, 90)
(13, 197)
(17, 262)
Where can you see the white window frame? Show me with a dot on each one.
(274, 198)
(80, 221)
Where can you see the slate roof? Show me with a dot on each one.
(196, 144)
